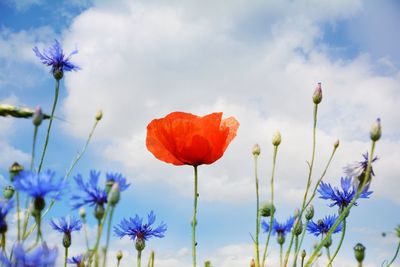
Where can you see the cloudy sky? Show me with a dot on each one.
(258, 61)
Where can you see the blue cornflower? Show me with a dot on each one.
(41, 256)
(64, 226)
(39, 185)
(322, 226)
(280, 229)
(117, 178)
(76, 260)
(5, 207)
(54, 57)
(343, 197)
(358, 168)
(138, 231)
(92, 194)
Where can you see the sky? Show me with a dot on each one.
(258, 61)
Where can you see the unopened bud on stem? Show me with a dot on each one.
(376, 130)
(317, 96)
(276, 138)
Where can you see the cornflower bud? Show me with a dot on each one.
(267, 209)
(309, 212)
(37, 116)
(82, 213)
(376, 130)
(298, 227)
(280, 238)
(99, 115)
(14, 170)
(336, 144)
(359, 252)
(207, 264)
(114, 195)
(276, 138)
(8, 192)
(252, 263)
(317, 96)
(303, 254)
(119, 255)
(67, 240)
(37, 206)
(99, 212)
(256, 150)
(328, 242)
(140, 244)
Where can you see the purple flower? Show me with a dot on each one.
(322, 226)
(39, 185)
(137, 230)
(92, 194)
(5, 207)
(279, 228)
(77, 260)
(66, 227)
(358, 168)
(54, 56)
(41, 256)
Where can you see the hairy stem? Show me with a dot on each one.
(194, 221)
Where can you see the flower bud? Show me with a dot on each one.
(336, 144)
(376, 130)
(140, 244)
(37, 206)
(82, 213)
(114, 195)
(309, 212)
(14, 170)
(276, 138)
(67, 240)
(8, 192)
(328, 242)
(99, 115)
(359, 252)
(58, 74)
(3, 227)
(119, 255)
(298, 227)
(398, 231)
(207, 264)
(252, 263)
(256, 150)
(99, 212)
(280, 238)
(37, 116)
(317, 96)
(267, 209)
(303, 254)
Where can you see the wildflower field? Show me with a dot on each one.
(215, 134)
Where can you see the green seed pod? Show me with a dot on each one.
(99, 212)
(309, 212)
(8, 192)
(280, 238)
(359, 252)
(267, 209)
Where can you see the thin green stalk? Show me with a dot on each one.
(328, 254)
(280, 254)
(256, 242)
(68, 173)
(340, 243)
(18, 217)
(301, 243)
(34, 146)
(359, 264)
(302, 262)
(108, 235)
(272, 204)
(139, 257)
(99, 231)
(296, 246)
(118, 262)
(151, 260)
(86, 234)
(50, 123)
(311, 165)
(395, 255)
(194, 221)
(66, 257)
(39, 230)
(346, 211)
(3, 241)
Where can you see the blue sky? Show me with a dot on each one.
(258, 61)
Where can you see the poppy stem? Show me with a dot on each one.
(194, 221)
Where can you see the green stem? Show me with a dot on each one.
(280, 254)
(301, 243)
(139, 257)
(296, 246)
(194, 221)
(39, 230)
(66, 257)
(86, 234)
(328, 254)
(151, 260)
(33, 146)
(50, 123)
(3, 241)
(99, 231)
(302, 262)
(108, 235)
(18, 218)
(311, 165)
(395, 255)
(340, 243)
(118, 262)
(346, 211)
(257, 251)
(272, 205)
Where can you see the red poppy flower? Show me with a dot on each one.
(186, 139)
